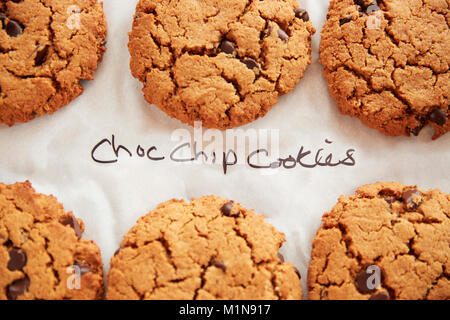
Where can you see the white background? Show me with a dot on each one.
(53, 152)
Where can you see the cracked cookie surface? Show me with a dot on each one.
(399, 230)
(42, 254)
(211, 248)
(387, 63)
(224, 63)
(46, 48)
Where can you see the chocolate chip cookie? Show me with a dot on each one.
(388, 241)
(209, 249)
(42, 254)
(224, 63)
(46, 48)
(387, 63)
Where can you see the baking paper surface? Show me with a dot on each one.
(54, 153)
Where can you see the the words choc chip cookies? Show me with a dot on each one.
(387, 63)
(42, 254)
(46, 48)
(224, 63)
(209, 249)
(388, 241)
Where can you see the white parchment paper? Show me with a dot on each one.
(54, 153)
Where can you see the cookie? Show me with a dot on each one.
(387, 63)
(47, 48)
(224, 63)
(388, 241)
(42, 254)
(209, 249)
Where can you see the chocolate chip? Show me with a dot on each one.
(280, 256)
(302, 14)
(438, 116)
(227, 47)
(72, 222)
(388, 195)
(117, 251)
(389, 200)
(18, 288)
(220, 265)
(345, 20)
(251, 64)
(83, 268)
(41, 56)
(227, 208)
(412, 198)
(380, 296)
(13, 28)
(17, 259)
(282, 35)
(415, 131)
(361, 282)
(297, 272)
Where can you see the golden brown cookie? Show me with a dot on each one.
(46, 48)
(42, 254)
(388, 241)
(209, 249)
(387, 63)
(224, 63)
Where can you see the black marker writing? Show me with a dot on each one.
(189, 153)
(140, 151)
(290, 162)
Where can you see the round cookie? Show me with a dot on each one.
(209, 249)
(388, 241)
(387, 63)
(42, 254)
(224, 63)
(46, 49)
